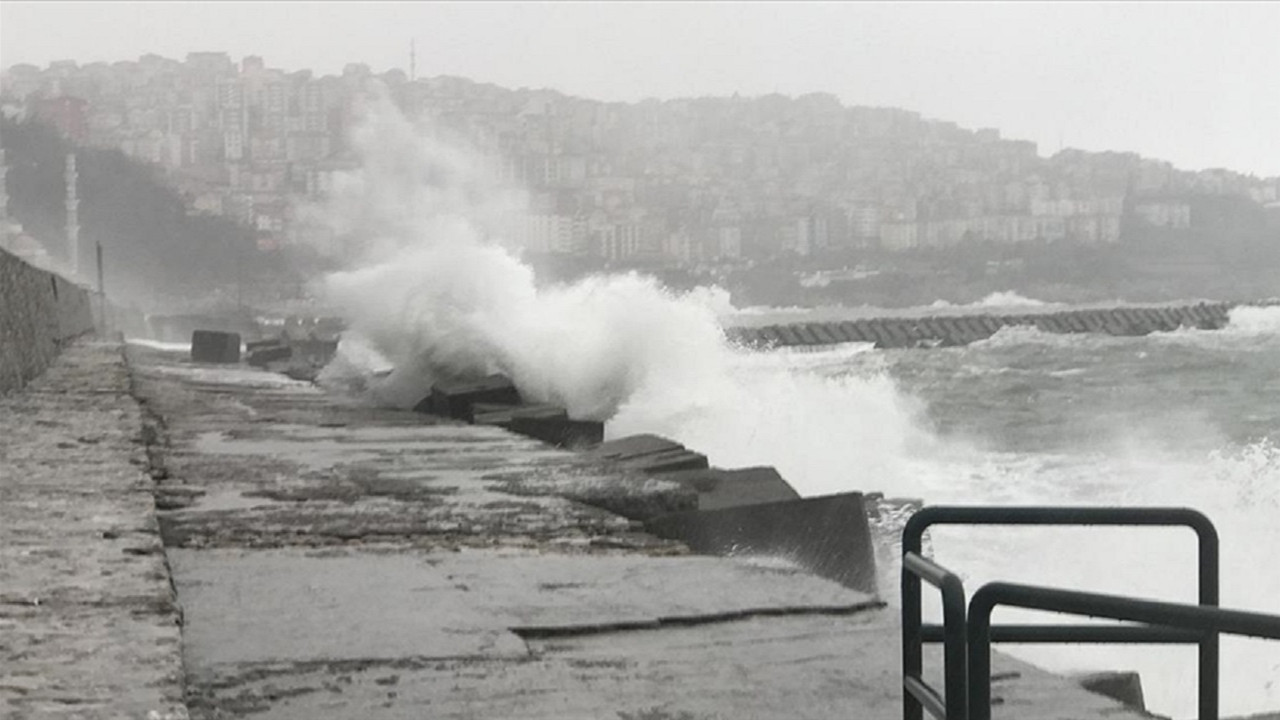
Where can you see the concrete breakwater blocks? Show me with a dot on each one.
(494, 400)
(213, 346)
(1125, 687)
(264, 352)
(951, 331)
(454, 398)
(559, 432)
(718, 488)
(648, 454)
(828, 536)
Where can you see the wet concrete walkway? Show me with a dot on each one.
(88, 623)
(338, 561)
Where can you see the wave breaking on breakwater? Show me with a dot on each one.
(435, 294)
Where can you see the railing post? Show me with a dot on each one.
(979, 638)
(912, 642)
(956, 653)
(1209, 645)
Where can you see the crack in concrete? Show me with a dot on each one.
(533, 632)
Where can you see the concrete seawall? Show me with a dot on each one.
(953, 330)
(40, 313)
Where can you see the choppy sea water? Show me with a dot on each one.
(1188, 418)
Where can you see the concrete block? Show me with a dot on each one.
(453, 399)
(212, 346)
(1071, 322)
(261, 355)
(829, 536)
(1125, 687)
(824, 334)
(718, 488)
(935, 329)
(897, 333)
(787, 335)
(875, 330)
(856, 331)
(975, 329)
(666, 461)
(805, 333)
(633, 446)
(648, 453)
(839, 332)
(495, 414)
(559, 432)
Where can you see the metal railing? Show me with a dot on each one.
(1204, 621)
(917, 696)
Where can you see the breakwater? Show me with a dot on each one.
(40, 312)
(953, 330)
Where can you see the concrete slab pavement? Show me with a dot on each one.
(339, 561)
(343, 561)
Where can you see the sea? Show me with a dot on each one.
(1187, 418)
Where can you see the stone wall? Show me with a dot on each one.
(39, 313)
(946, 331)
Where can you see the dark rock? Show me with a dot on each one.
(453, 399)
(212, 346)
(828, 536)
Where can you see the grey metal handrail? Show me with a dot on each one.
(917, 695)
(1202, 620)
(915, 632)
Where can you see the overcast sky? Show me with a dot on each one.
(1194, 83)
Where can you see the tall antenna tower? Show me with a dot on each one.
(413, 60)
(73, 219)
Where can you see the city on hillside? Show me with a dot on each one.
(800, 200)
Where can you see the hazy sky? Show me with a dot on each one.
(1194, 83)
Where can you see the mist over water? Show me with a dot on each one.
(435, 290)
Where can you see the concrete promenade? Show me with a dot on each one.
(333, 560)
(88, 623)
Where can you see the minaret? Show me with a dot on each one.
(413, 60)
(4, 200)
(73, 220)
